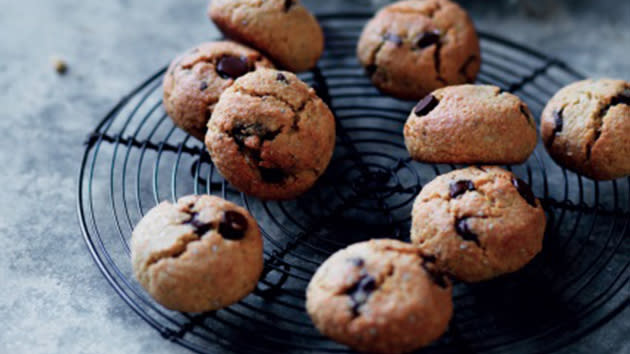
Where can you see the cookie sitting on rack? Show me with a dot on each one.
(586, 128)
(470, 124)
(411, 48)
(478, 222)
(380, 296)
(200, 254)
(282, 29)
(195, 80)
(270, 135)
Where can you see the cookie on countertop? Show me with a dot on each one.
(470, 124)
(586, 128)
(200, 254)
(478, 222)
(195, 80)
(282, 29)
(380, 296)
(270, 135)
(411, 48)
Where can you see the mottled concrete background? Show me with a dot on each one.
(52, 297)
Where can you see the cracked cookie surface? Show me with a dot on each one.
(270, 135)
(199, 254)
(411, 48)
(470, 124)
(282, 29)
(586, 128)
(478, 222)
(195, 80)
(381, 296)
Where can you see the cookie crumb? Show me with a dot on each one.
(60, 65)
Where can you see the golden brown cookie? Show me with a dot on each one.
(586, 128)
(270, 135)
(282, 29)
(200, 254)
(478, 222)
(470, 124)
(411, 48)
(195, 80)
(380, 296)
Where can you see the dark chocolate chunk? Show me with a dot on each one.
(288, 4)
(428, 39)
(203, 86)
(272, 175)
(622, 98)
(557, 120)
(523, 189)
(200, 227)
(233, 225)
(360, 292)
(460, 187)
(426, 105)
(463, 229)
(281, 77)
(390, 37)
(230, 67)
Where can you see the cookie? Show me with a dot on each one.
(411, 48)
(470, 124)
(195, 80)
(282, 29)
(380, 296)
(270, 135)
(478, 222)
(586, 128)
(200, 254)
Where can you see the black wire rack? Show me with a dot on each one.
(136, 158)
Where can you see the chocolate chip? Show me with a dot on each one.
(288, 4)
(463, 229)
(390, 37)
(360, 292)
(230, 67)
(557, 120)
(203, 86)
(200, 227)
(357, 262)
(622, 98)
(523, 189)
(233, 225)
(428, 39)
(429, 258)
(272, 175)
(426, 105)
(282, 78)
(460, 187)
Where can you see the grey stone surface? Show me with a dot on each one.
(53, 299)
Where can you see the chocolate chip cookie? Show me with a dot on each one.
(470, 124)
(586, 128)
(282, 29)
(380, 296)
(478, 222)
(270, 135)
(200, 254)
(411, 48)
(195, 80)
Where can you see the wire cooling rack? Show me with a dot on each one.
(136, 158)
